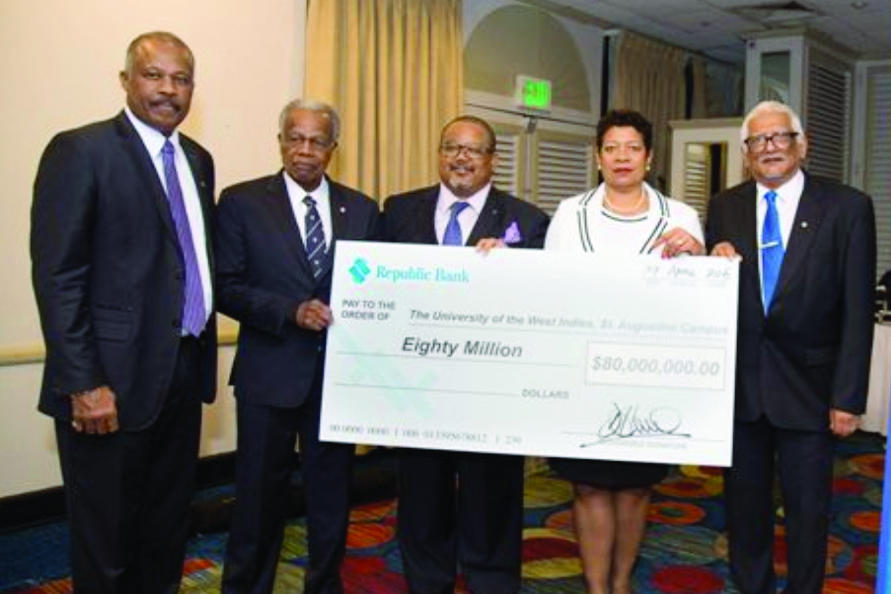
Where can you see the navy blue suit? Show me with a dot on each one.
(808, 355)
(263, 275)
(109, 280)
(477, 524)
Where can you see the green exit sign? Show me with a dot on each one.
(533, 93)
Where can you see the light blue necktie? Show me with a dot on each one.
(452, 235)
(315, 237)
(772, 250)
(194, 315)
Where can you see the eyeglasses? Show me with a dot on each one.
(453, 150)
(316, 143)
(781, 140)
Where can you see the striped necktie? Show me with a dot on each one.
(194, 316)
(315, 237)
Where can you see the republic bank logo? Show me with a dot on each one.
(359, 270)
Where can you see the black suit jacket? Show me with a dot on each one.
(811, 352)
(108, 273)
(409, 218)
(263, 274)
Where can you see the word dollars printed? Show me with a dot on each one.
(531, 352)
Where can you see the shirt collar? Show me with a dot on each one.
(790, 190)
(476, 200)
(151, 138)
(320, 194)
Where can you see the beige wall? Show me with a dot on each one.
(60, 60)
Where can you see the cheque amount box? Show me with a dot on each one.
(670, 366)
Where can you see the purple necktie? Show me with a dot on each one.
(452, 234)
(194, 316)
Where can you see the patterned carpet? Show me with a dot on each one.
(684, 551)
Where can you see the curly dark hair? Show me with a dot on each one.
(625, 117)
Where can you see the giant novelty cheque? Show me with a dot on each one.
(532, 352)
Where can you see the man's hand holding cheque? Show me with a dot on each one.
(447, 349)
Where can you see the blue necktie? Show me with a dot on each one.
(452, 235)
(772, 250)
(315, 237)
(194, 316)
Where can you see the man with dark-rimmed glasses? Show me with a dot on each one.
(462, 508)
(807, 274)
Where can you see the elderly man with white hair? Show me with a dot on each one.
(807, 247)
(275, 250)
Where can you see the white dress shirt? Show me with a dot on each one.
(154, 141)
(788, 197)
(322, 196)
(466, 218)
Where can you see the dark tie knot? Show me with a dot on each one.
(309, 202)
(167, 149)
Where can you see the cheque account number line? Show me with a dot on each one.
(461, 359)
(411, 389)
(617, 335)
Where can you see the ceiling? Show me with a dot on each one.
(717, 28)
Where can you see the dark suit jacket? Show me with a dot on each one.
(811, 352)
(108, 273)
(409, 218)
(263, 274)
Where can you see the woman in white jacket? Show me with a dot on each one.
(622, 216)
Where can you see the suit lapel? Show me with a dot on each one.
(748, 248)
(339, 215)
(489, 223)
(808, 217)
(340, 219)
(426, 215)
(280, 207)
(205, 195)
(743, 211)
(142, 161)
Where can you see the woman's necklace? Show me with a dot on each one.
(628, 211)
